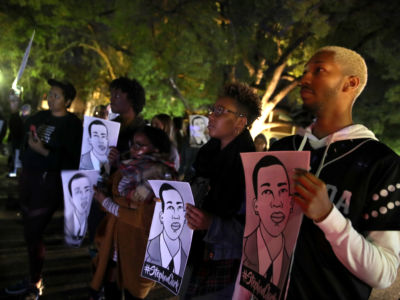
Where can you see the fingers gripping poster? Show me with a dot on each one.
(78, 194)
(273, 221)
(170, 237)
(98, 136)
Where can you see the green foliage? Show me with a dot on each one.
(198, 46)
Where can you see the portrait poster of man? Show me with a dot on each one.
(78, 194)
(272, 221)
(170, 237)
(198, 130)
(98, 136)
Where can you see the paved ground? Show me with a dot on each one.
(66, 271)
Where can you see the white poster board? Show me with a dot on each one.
(78, 194)
(273, 221)
(170, 237)
(98, 136)
(198, 130)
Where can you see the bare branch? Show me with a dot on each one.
(249, 66)
(260, 72)
(288, 51)
(179, 93)
(273, 83)
(96, 48)
(278, 97)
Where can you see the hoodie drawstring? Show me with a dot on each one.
(303, 142)
(321, 164)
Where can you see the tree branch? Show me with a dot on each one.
(96, 48)
(272, 84)
(278, 97)
(179, 93)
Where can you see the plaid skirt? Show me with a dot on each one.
(212, 275)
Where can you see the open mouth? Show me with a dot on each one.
(175, 226)
(102, 147)
(277, 217)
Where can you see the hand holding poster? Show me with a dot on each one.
(273, 221)
(78, 194)
(170, 237)
(98, 136)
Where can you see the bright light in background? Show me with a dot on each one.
(1, 77)
(43, 104)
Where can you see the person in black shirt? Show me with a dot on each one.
(128, 100)
(349, 240)
(218, 217)
(53, 144)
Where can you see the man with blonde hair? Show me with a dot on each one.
(349, 240)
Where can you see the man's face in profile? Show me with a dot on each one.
(99, 139)
(173, 216)
(274, 202)
(82, 191)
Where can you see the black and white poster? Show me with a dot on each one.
(198, 130)
(78, 194)
(98, 136)
(170, 237)
(273, 222)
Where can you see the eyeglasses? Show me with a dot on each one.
(220, 110)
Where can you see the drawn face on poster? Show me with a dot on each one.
(173, 211)
(198, 130)
(170, 237)
(98, 136)
(273, 202)
(78, 194)
(272, 221)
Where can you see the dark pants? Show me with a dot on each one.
(40, 195)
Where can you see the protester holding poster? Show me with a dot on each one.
(218, 218)
(53, 144)
(349, 238)
(122, 235)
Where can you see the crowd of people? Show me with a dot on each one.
(349, 240)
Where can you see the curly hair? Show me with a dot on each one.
(246, 98)
(136, 93)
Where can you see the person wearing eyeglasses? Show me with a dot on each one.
(219, 214)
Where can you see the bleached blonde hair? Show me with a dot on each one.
(353, 64)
